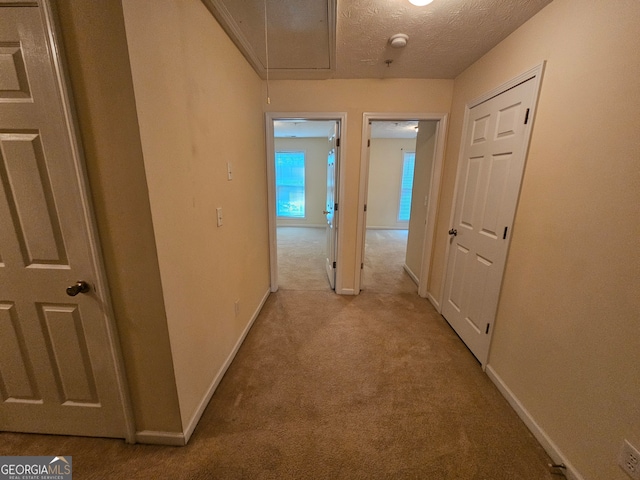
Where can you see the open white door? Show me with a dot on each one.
(59, 363)
(331, 210)
(491, 166)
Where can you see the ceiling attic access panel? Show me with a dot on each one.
(301, 35)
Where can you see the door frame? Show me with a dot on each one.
(270, 117)
(101, 286)
(434, 191)
(535, 74)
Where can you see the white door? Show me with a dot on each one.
(488, 185)
(58, 362)
(330, 211)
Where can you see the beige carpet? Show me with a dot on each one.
(384, 258)
(375, 386)
(302, 258)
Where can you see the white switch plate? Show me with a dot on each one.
(219, 216)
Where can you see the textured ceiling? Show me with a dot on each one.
(350, 38)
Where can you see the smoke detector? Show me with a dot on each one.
(398, 40)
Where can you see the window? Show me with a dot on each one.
(290, 184)
(406, 187)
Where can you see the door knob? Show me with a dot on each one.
(453, 232)
(80, 287)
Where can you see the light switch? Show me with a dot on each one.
(229, 172)
(219, 216)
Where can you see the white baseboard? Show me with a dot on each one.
(434, 302)
(346, 291)
(195, 418)
(550, 447)
(411, 274)
(161, 438)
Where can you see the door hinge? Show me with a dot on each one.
(335, 207)
(487, 330)
(368, 143)
(361, 266)
(526, 117)
(365, 207)
(338, 142)
(334, 264)
(504, 235)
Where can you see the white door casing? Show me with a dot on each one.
(60, 366)
(330, 211)
(493, 152)
(270, 118)
(434, 193)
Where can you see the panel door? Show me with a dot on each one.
(488, 186)
(58, 363)
(330, 213)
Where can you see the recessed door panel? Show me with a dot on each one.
(460, 267)
(507, 120)
(470, 190)
(68, 354)
(479, 273)
(29, 198)
(480, 130)
(494, 194)
(14, 83)
(17, 381)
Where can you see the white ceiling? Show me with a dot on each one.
(350, 38)
(300, 128)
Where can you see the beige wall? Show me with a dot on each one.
(316, 154)
(103, 93)
(385, 174)
(567, 335)
(198, 104)
(425, 155)
(356, 97)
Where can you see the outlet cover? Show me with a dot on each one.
(629, 460)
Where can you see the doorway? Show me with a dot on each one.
(400, 178)
(303, 153)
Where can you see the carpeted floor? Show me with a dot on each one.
(375, 386)
(302, 257)
(384, 259)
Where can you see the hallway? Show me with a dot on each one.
(329, 386)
